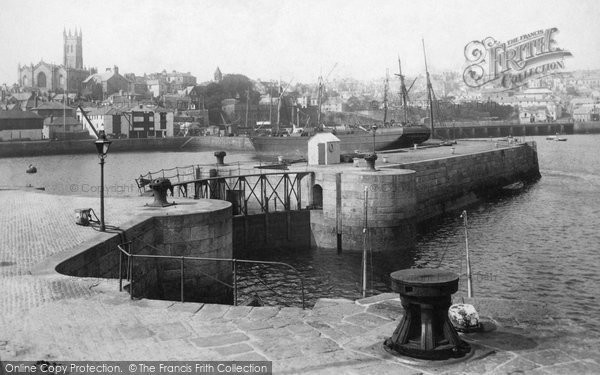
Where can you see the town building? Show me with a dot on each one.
(169, 83)
(218, 76)
(23, 101)
(63, 128)
(20, 125)
(157, 87)
(178, 81)
(105, 118)
(100, 86)
(538, 104)
(334, 104)
(50, 77)
(55, 109)
(139, 121)
(587, 112)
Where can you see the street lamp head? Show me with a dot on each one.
(102, 144)
(374, 128)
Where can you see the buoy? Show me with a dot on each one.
(31, 169)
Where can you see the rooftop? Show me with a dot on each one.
(18, 115)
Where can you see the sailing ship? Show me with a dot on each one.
(352, 139)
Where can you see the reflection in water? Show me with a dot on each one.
(325, 273)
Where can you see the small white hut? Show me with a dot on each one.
(323, 148)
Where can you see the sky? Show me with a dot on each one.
(282, 39)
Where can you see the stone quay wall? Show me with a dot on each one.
(226, 143)
(451, 183)
(390, 209)
(34, 148)
(398, 202)
(86, 146)
(587, 127)
(290, 229)
(207, 233)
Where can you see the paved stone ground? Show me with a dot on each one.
(429, 150)
(55, 317)
(34, 226)
(336, 336)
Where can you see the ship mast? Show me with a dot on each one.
(429, 91)
(403, 93)
(279, 107)
(385, 96)
(319, 96)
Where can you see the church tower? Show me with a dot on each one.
(73, 50)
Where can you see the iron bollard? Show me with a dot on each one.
(220, 157)
(370, 159)
(159, 187)
(425, 331)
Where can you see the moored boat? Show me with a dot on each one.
(355, 139)
(556, 138)
(350, 140)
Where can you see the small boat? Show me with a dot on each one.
(556, 138)
(31, 169)
(272, 166)
(515, 186)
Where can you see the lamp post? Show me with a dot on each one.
(102, 145)
(374, 128)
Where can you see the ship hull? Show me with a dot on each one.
(359, 141)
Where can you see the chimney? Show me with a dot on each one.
(108, 69)
(116, 70)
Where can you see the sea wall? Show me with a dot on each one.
(398, 202)
(221, 143)
(201, 228)
(37, 148)
(86, 146)
(390, 209)
(289, 229)
(587, 127)
(450, 183)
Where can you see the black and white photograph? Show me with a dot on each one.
(299, 187)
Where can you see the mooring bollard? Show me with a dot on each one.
(220, 157)
(425, 330)
(159, 187)
(370, 159)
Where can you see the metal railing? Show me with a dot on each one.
(131, 257)
(181, 174)
(264, 190)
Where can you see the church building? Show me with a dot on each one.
(69, 76)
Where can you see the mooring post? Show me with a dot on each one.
(469, 280)
(365, 238)
(131, 277)
(234, 282)
(182, 278)
(120, 270)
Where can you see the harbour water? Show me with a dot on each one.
(539, 243)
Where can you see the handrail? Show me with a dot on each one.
(238, 176)
(259, 192)
(182, 259)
